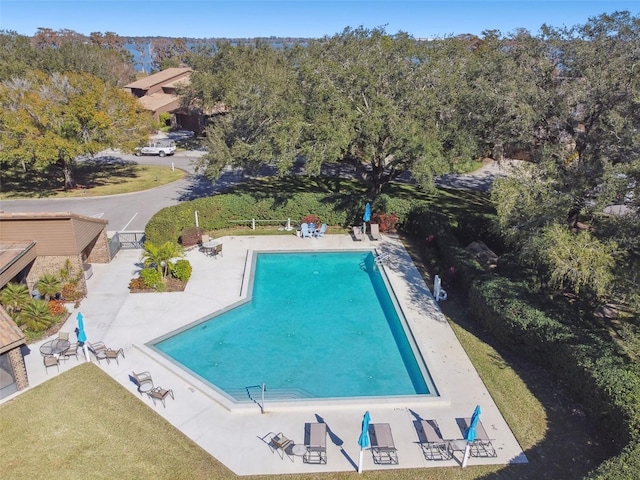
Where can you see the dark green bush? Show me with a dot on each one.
(602, 380)
(182, 270)
(227, 210)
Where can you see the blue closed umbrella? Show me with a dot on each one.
(367, 212)
(363, 440)
(82, 336)
(470, 436)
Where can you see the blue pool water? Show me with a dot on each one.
(320, 324)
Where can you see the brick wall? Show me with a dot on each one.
(19, 368)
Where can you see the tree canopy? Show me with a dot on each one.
(53, 119)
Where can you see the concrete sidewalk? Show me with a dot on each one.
(233, 435)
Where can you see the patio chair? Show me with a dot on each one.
(159, 393)
(51, 361)
(304, 228)
(357, 234)
(72, 351)
(481, 446)
(110, 354)
(282, 445)
(434, 447)
(217, 250)
(315, 440)
(142, 381)
(321, 232)
(375, 232)
(63, 335)
(383, 448)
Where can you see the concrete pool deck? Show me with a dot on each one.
(233, 436)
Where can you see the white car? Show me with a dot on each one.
(161, 148)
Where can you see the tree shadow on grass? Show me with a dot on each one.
(91, 173)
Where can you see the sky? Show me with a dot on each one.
(299, 18)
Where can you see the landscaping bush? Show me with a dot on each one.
(56, 308)
(312, 218)
(396, 206)
(151, 277)
(387, 221)
(137, 284)
(228, 210)
(191, 236)
(601, 379)
(182, 270)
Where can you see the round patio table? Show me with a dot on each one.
(54, 347)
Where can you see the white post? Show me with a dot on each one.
(197, 219)
(288, 229)
(86, 352)
(466, 455)
(360, 461)
(253, 224)
(173, 167)
(437, 285)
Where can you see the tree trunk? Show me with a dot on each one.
(67, 170)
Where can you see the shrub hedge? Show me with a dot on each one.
(592, 368)
(225, 210)
(599, 376)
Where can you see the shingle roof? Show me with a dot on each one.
(10, 334)
(160, 78)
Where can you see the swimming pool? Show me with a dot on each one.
(318, 325)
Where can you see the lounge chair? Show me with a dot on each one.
(357, 233)
(110, 354)
(63, 335)
(375, 232)
(51, 361)
(159, 393)
(279, 443)
(217, 250)
(315, 439)
(304, 228)
(97, 347)
(321, 232)
(72, 351)
(383, 448)
(142, 381)
(481, 446)
(434, 447)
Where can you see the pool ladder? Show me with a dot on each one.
(382, 258)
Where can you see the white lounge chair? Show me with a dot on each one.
(375, 232)
(357, 234)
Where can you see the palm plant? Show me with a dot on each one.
(14, 297)
(36, 316)
(49, 285)
(158, 257)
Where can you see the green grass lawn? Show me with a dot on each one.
(93, 179)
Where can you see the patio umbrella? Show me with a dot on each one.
(363, 441)
(367, 216)
(470, 434)
(82, 336)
